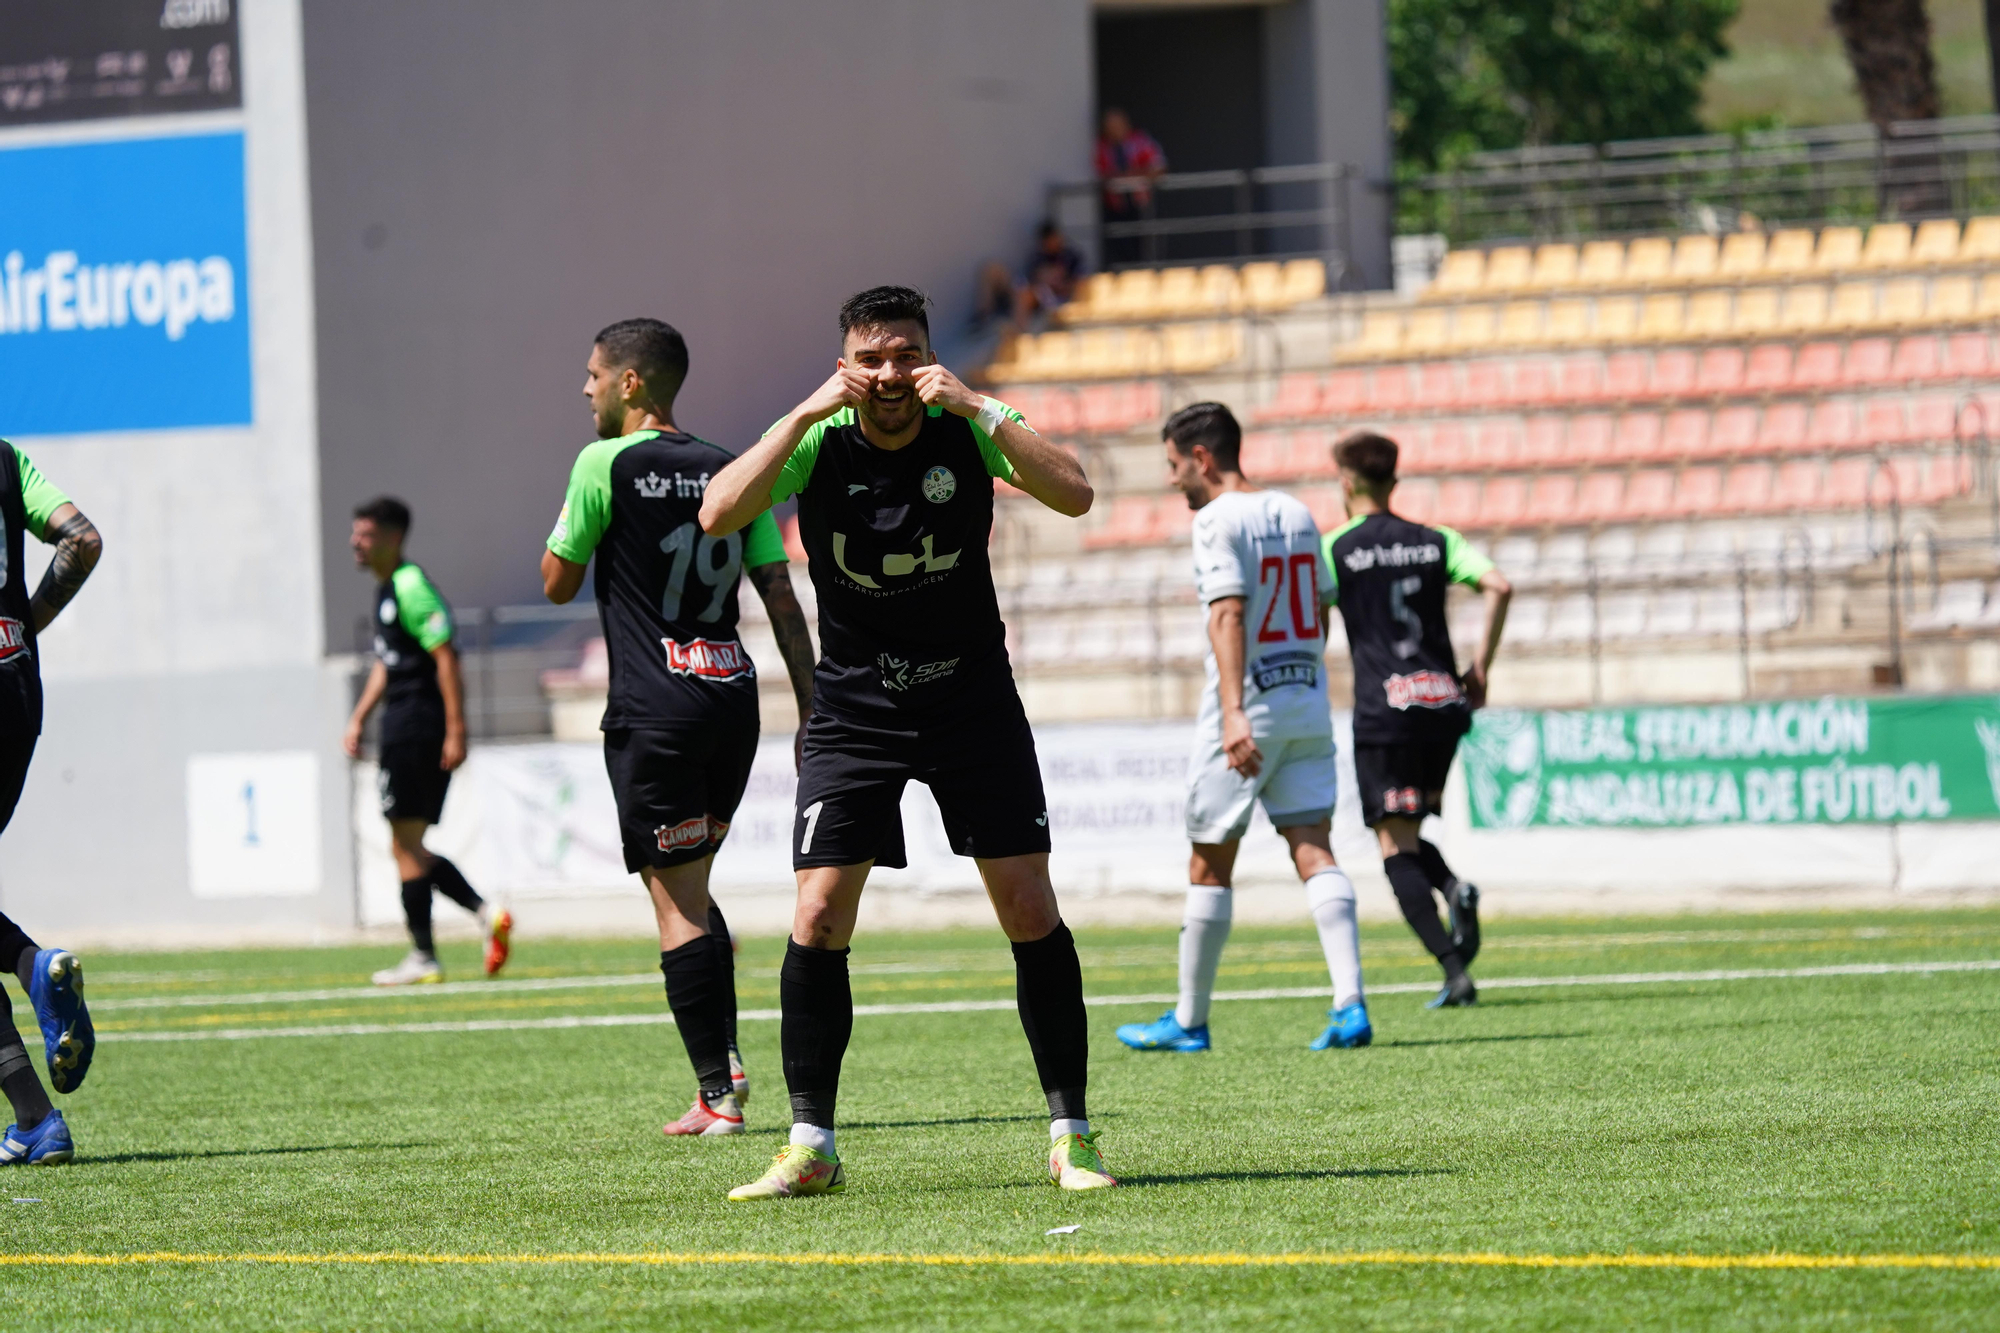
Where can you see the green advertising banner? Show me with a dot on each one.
(1818, 761)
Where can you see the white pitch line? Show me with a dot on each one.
(1096, 1001)
(376, 992)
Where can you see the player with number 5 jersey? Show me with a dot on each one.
(1264, 733)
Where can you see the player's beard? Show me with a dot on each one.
(892, 418)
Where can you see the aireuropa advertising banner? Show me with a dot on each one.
(1819, 761)
(124, 288)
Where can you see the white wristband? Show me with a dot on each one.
(990, 416)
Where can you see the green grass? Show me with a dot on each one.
(1839, 1115)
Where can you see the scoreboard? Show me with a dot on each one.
(91, 59)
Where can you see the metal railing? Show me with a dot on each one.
(1841, 173)
(503, 652)
(1184, 216)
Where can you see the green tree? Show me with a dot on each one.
(1470, 75)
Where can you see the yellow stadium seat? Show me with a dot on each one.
(1902, 302)
(1305, 280)
(1756, 312)
(1508, 269)
(1473, 328)
(1381, 335)
(1263, 286)
(1097, 352)
(1136, 294)
(1952, 298)
(1694, 258)
(1981, 242)
(1742, 255)
(1602, 263)
(1661, 316)
(1138, 352)
(1521, 323)
(1193, 348)
(1099, 290)
(1566, 322)
(1708, 314)
(1839, 248)
(1649, 260)
(1853, 306)
(1219, 288)
(1805, 309)
(1179, 292)
(1888, 245)
(1555, 266)
(1789, 252)
(1429, 333)
(1461, 273)
(1988, 306)
(1617, 318)
(1046, 355)
(1936, 243)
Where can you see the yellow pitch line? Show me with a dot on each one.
(1091, 1260)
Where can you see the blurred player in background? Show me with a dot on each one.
(52, 978)
(1411, 705)
(416, 679)
(1264, 733)
(681, 722)
(893, 461)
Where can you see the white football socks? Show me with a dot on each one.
(812, 1136)
(1058, 1128)
(1330, 895)
(1204, 930)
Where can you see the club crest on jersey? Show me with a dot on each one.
(1423, 689)
(939, 484)
(723, 660)
(13, 638)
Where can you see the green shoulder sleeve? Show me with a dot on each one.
(763, 544)
(38, 497)
(1462, 564)
(798, 469)
(996, 462)
(1332, 565)
(586, 511)
(420, 608)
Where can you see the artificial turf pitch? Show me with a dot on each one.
(1561, 1156)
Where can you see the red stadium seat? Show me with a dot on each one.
(1542, 441)
(1389, 390)
(1130, 522)
(1110, 408)
(1950, 475)
(1638, 436)
(1328, 509)
(1673, 373)
(1783, 427)
(1868, 361)
(1883, 421)
(1267, 453)
(1966, 356)
(1933, 417)
(1649, 494)
(1602, 496)
(1532, 381)
(1450, 447)
(1299, 395)
(1797, 485)
(1485, 383)
(1589, 439)
(1686, 434)
(1580, 378)
(1721, 371)
(1833, 425)
(1747, 489)
(1734, 431)
(1904, 479)
(1552, 499)
(1627, 375)
(1917, 359)
(1414, 500)
(1818, 366)
(1497, 442)
(1052, 411)
(1346, 393)
(1770, 368)
(1437, 386)
(1505, 502)
(1458, 501)
(1699, 491)
(1847, 483)
(1312, 451)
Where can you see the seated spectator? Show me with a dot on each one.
(1125, 151)
(996, 296)
(1054, 268)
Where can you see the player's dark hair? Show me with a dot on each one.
(885, 305)
(386, 511)
(653, 348)
(1368, 456)
(1213, 427)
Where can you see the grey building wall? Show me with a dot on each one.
(487, 194)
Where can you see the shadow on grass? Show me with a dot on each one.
(1469, 1041)
(937, 1123)
(1332, 1173)
(111, 1159)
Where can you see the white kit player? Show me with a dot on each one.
(1264, 733)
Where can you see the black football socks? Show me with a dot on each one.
(417, 911)
(818, 1007)
(1413, 894)
(1464, 923)
(725, 963)
(16, 949)
(18, 1080)
(1048, 988)
(701, 997)
(451, 882)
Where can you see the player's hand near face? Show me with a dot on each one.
(847, 387)
(938, 387)
(1238, 744)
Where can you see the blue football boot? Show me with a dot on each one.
(1164, 1034)
(47, 1144)
(1350, 1027)
(56, 988)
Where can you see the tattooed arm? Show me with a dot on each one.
(788, 625)
(77, 548)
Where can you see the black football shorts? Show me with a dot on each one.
(979, 764)
(678, 787)
(1400, 780)
(412, 779)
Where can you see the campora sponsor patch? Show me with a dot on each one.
(717, 659)
(1422, 689)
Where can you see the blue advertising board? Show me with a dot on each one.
(124, 286)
